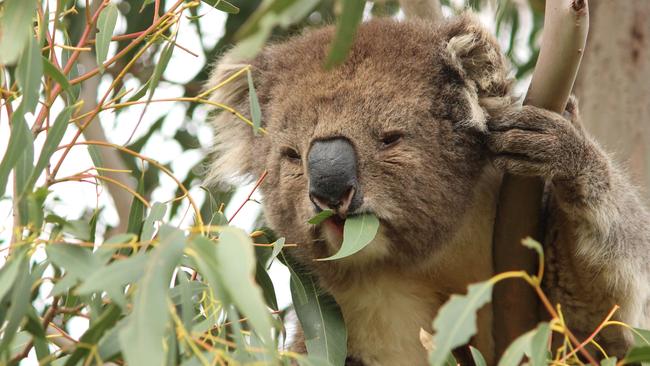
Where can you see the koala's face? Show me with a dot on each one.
(395, 131)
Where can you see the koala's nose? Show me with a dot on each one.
(332, 168)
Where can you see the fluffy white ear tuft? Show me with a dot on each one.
(473, 53)
(235, 144)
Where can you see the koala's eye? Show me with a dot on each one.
(391, 139)
(290, 154)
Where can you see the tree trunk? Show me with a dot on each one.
(614, 84)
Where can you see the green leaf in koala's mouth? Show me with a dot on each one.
(320, 217)
(359, 231)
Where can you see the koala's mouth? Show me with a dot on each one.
(335, 223)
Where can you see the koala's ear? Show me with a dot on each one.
(473, 54)
(237, 151)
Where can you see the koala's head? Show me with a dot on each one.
(395, 130)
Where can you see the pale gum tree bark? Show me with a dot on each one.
(613, 85)
(110, 157)
(518, 212)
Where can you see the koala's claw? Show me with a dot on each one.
(535, 142)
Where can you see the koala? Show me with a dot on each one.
(417, 127)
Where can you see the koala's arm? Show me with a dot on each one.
(600, 228)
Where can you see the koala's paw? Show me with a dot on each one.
(532, 141)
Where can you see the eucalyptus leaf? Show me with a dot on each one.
(15, 28)
(539, 344)
(455, 323)
(516, 350)
(54, 137)
(322, 322)
(19, 138)
(29, 73)
(358, 231)
(637, 355)
(236, 268)
(118, 273)
(320, 217)
(141, 340)
(608, 361)
(222, 5)
(77, 260)
(20, 295)
(478, 358)
(346, 28)
(277, 248)
(92, 336)
(52, 71)
(8, 274)
(156, 213)
(106, 25)
(256, 112)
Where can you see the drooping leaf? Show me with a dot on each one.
(320, 217)
(637, 355)
(29, 73)
(141, 340)
(8, 274)
(236, 268)
(641, 337)
(35, 328)
(608, 361)
(346, 28)
(204, 255)
(76, 260)
(186, 294)
(516, 350)
(91, 336)
(321, 320)
(111, 245)
(539, 344)
(263, 279)
(156, 214)
(165, 56)
(455, 323)
(358, 231)
(20, 295)
(20, 137)
(533, 244)
(52, 71)
(222, 5)
(22, 171)
(54, 137)
(136, 213)
(261, 23)
(15, 28)
(256, 112)
(106, 25)
(116, 274)
(477, 357)
(277, 248)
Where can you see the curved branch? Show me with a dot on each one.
(519, 207)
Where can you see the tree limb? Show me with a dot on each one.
(110, 157)
(519, 207)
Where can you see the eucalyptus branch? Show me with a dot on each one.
(518, 211)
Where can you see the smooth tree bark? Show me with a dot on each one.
(613, 85)
(518, 215)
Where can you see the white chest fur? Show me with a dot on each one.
(384, 311)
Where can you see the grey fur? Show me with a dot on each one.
(445, 87)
